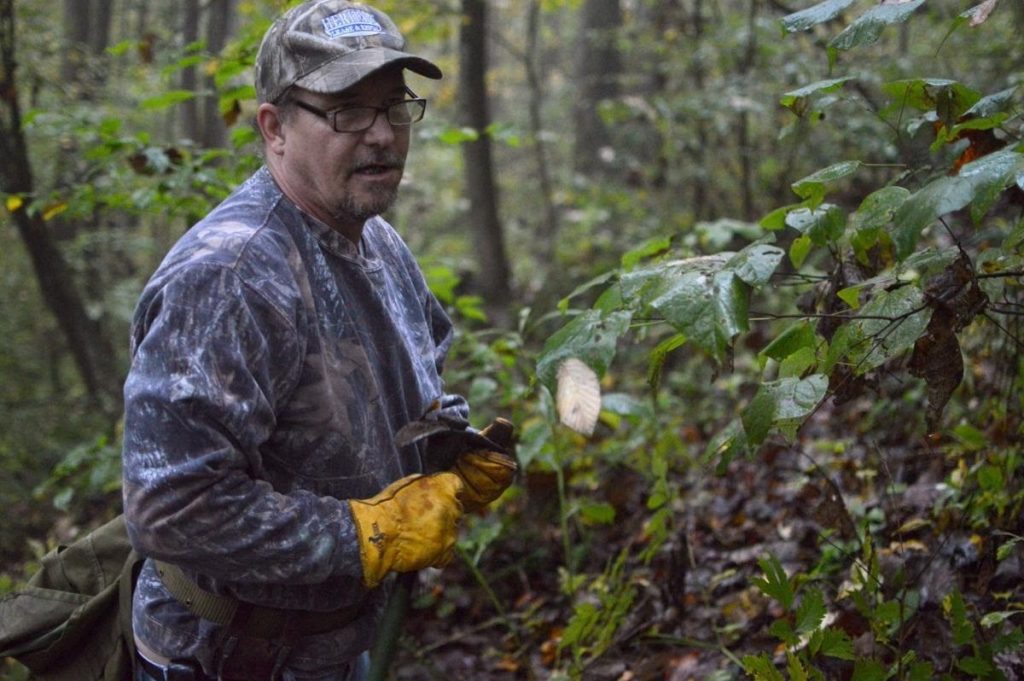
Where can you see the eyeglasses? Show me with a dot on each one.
(360, 118)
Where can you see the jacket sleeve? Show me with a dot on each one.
(211, 360)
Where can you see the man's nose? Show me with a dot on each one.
(381, 133)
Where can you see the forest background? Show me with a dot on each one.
(746, 275)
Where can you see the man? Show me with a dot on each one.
(276, 351)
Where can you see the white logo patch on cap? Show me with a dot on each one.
(351, 23)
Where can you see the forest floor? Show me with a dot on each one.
(695, 612)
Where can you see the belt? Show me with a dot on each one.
(175, 671)
(247, 619)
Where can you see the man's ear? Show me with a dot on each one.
(268, 120)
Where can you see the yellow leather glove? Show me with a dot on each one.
(486, 474)
(409, 525)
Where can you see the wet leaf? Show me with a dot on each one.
(590, 337)
(978, 14)
(868, 27)
(756, 263)
(798, 336)
(823, 225)
(797, 100)
(889, 324)
(812, 188)
(812, 16)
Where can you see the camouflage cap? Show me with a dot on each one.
(329, 45)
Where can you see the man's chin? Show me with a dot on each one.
(363, 210)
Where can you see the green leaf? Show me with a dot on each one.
(775, 583)
(711, 311)
(992, 172)
(948, 98)
(799, 363)
(795, 337)
(835, 643)
(868, 670)
(878, 208)
(990, 105)
(776, 220)
(977, 667)
(993, 618)
(956, 612)
(651, 247)
(601, 279)
(166, 99)
(812, 16)
(591, 337)
(454, 136)
(970, 436)
(799, 250)
(795, 667)
(810, 612)
(599, 513)
(659, 355)
(1006, 548)
(823, 225)
(812, 188)
(990, 478)
(759, 416)
(703, 298)
(761, 668)
(796, 100)
(756, 263)
(922, 671)
(868, 27)
(888, 325)
(782, 630)
(727, 444)
(851, 296)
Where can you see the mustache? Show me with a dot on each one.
(383, 160)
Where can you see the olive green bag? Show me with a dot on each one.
(72, 621)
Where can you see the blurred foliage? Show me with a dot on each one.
(808, 238)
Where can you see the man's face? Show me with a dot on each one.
(344, 178)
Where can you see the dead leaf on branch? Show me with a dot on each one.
(957, 299)
(827, 506)
(579, 396)
(937, 359)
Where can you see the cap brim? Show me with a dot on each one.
(347, 70)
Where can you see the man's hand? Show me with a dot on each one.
(486, 474)
(409, 525)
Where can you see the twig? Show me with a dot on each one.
(1002, 328)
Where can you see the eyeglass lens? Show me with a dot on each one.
(361, 118)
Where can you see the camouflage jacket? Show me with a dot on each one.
(272, 363)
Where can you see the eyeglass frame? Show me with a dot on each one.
(331, 115)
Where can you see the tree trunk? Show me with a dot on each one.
(746, 152)
(74, 61)
(92, 352)
(218, 25)
(701, 207)
(597, 78)
(549, 227)
(189, 81)
(478, 162)
(102, 15)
